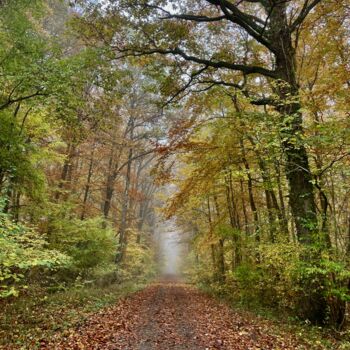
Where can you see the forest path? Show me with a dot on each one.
(174, 316)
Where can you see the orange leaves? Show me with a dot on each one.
(173, 316)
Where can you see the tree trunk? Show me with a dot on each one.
(66, 170)
(301, 194)
(250, 193)
(281, 199)
(88, 183)
(245, 215)
(220, 248)
(216, 250)
(125, 201)
(110, 181)
(124, 215)
(234, 221)
(144, 209)
(272, 206)
(301, 191)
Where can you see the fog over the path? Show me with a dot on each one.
(169, 238)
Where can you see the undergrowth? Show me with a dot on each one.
(316, 338)
(25, 321)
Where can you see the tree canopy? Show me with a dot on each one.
(230, 118)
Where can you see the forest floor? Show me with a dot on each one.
(176, 316)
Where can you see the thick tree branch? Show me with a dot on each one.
(11, 101)
(255, 26)
(248, 22)
(246, 69)
(221, 82)
(195, 18)
(266, 101)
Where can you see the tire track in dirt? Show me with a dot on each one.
(166, 323)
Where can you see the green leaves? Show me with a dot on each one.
(87, 242)
(329, 275)
(22, 250)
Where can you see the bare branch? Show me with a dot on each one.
(327, 167)
(186, 86)
(134, 158)
(307, 8)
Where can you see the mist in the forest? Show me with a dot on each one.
(170, 247)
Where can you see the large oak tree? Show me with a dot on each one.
(206, 38)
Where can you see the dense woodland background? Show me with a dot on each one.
(230, 116)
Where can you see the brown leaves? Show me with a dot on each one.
(173, 316)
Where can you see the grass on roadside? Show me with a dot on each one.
(25, 321)
(316, 338)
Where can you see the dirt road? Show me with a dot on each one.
(173, 316)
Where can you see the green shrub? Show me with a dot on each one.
(247, 282)
(139, 261)
(290, 275)
(23, 250)
(279, 265)
(308, 282)
(88, 242)
(327, 280)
